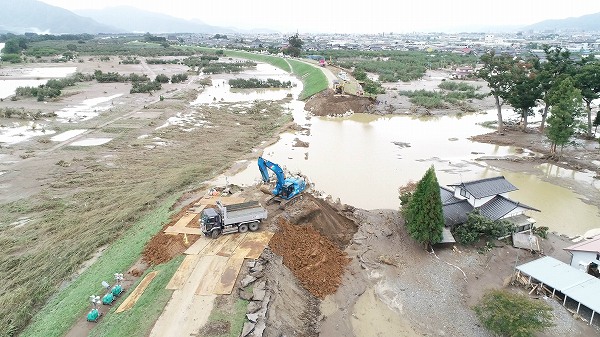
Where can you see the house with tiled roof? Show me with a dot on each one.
(489, 197)
(585, 255)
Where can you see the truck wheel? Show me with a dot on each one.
(253, 226)
(243, 228)
(215, 233)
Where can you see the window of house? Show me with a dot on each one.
(463, 192)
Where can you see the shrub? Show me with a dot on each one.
(478, 226)
(141, 87)
(258, 83)
(162, 78)
(179, 78)
(508, 314)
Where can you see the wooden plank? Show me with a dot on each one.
(227, 280)
(183, 230)
(185, 220)
(197, 209)
(183, 272)
(231, 245)
(206, 286)
(253, 245)
(215, 245)
(135, 295)
(198, 246)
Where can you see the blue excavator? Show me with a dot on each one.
(285, 189)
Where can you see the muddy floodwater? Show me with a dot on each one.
(363, 159)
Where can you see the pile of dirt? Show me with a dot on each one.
(163, 247)
(327, 103)
(316, 262)
(329, 221)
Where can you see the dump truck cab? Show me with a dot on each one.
(210, 219)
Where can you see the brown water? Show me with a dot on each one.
(363, 159)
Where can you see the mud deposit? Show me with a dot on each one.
(316, 261)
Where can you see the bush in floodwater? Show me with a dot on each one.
(258, 83)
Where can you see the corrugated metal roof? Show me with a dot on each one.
(487, 187)
(590, 245)
(456, 213)
(572, 282)
(447, 195)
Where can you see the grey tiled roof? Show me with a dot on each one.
(499, 206)
(447, 195)
(487, 187)
(456, 213)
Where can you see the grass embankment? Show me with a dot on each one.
(139, 320)
(93, 200)
(64, 309)
(312, 77)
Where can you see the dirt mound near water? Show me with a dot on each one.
(317, 262)
(327, 103)
(163, 247)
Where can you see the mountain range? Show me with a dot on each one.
(21, 16)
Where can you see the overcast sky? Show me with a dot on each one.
(351, 16)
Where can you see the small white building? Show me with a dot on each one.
(585, 254)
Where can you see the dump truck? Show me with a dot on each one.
(232, 218)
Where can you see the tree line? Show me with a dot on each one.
(565, 86)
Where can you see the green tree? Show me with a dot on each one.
(294, 46)
(423, 216)
(11, 47)
(524, 89)
(567, 103)
(558, 65)
(587, 79)
(513, 315)
(495, 72)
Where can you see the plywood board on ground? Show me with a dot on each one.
(226, 282)
(232, 244)
(253, 245)
(212, 200)
(217, 265)
(136, 293)
(197, 209)
(215, 245)
(185, 220)
(183, 272)
(183, 230)
(198, 246)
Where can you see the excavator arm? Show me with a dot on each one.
(263, 166)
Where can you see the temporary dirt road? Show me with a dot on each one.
(210, 270)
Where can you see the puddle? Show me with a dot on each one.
(372, 318)
(61, 137)
(12, 78)
(88, 109)
(91, 142)
(19, 133)
(8, 87)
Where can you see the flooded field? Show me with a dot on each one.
(363, 159)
